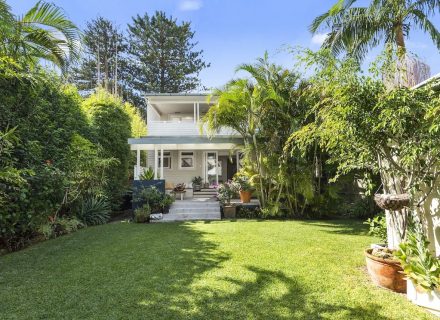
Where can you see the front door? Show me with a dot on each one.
(211, 168)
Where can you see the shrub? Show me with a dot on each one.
(94, 211)
(142, 215)
(59, 227)
(151, 196)
(226, 191)
(378, 227)
(111, 129)
(248, 213)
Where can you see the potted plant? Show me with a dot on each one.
(422, 269)
(166, 202)
(197, 183)
(245, 189)
(385, 270)
(225, 192)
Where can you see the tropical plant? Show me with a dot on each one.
(362, 126)
(418, 262)
(142, 214)
(147, 174)
(356, 30)
(44, 32)
(378, 227)
(166, 202)
(94, 211)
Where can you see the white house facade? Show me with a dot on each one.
(178, 149)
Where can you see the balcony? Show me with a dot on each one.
(181, 128)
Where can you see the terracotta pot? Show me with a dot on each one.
(229, 211)
(386, 273)
(245, 196)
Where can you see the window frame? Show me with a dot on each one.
(166, 155)
(187, 156)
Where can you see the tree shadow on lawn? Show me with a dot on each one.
(259, 299)
(347, 227)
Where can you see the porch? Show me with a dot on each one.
(180, 159)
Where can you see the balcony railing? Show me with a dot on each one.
(182, 128)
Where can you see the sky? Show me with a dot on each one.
(231, 32)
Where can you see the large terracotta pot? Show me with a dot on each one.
(245, 196)
(385, 273)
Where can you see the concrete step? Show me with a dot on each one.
(169, 217)
(205, 193)
(201, 204)
(193, 210)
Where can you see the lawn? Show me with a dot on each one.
(217, 270)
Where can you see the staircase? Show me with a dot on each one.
(205, 194)
(197, 209)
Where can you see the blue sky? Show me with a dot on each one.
(232, 31)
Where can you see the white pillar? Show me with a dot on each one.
(161, 162)
(198, 112)
(155, 162)
(138, 163)
(237, 156)
(195, 112)
(146, 159)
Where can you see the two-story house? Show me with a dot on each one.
(177, 149)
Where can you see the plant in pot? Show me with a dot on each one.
(147, 174)
(166, 202)
(385, 270)
(245, 189)
(225, 192)
(422, 269)
(197, 183)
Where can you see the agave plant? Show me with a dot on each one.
(94, 211)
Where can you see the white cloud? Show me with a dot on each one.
(190, 5)
(319, 38)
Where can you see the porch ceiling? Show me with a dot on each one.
(184, 143)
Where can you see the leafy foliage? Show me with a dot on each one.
(147, 174)
(42, 32)
(419, 264)
(111, 129)
(378, 227)
(94, 211)
(142, 215)
(357, 29)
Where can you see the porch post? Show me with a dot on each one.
(198, 111)
(237, 157)
(161, 162)
(195, 112)
(138, 163)
(146, 159)
(155, 162)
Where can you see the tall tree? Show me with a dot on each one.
(44, 32)
(356, 30)
(164, 55)
(104, 59)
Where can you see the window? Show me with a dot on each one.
(186, 160)
(166, 159)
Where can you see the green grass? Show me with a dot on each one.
(218, 270)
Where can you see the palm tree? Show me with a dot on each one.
(44, 32)
(356, 30)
